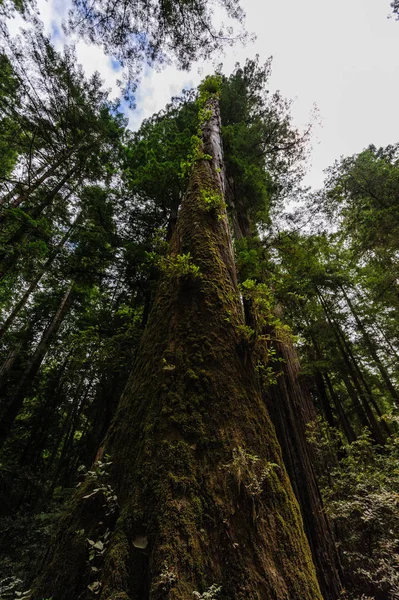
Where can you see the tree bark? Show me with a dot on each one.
(291, 409)
(188, 435)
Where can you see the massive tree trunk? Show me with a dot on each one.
(204, 499)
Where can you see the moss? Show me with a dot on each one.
(115, 573)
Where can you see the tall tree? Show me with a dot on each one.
(191, 441)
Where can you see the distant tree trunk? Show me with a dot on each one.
(22, 197)
(203, 494)
(63, 474)
(354, 370)
(27, 377)
(15, 358)
(324, 379)
(356, 403)
(326, 408)
(345, 423)
(371, 348)
(43, 419)
(103, 408)
(8, 260)
(8, 364)
(33, 285)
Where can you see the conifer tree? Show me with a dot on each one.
(204, 502)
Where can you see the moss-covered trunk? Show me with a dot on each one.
(291, 409)
(204, 499)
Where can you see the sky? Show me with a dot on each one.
(341, 56)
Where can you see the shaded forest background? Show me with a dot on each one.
(87, 211)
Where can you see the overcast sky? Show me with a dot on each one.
(342, 56)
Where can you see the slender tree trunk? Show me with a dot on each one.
(369, 396)
(43, 419)
(389, 344)
(371, 348)
(9, 363)
(15, 356)
(325, 379)
(103, 408)
(15, 405)
(8, 260)
(346, 426)
(324, 399)
(62, 472)
(353, 368)
(34, 283)
(194, 510)
(34, 186)
(357, 405)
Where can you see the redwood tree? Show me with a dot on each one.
(189, 492)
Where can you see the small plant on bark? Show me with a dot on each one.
(211, 594)
(212, 201)
(179, 265)
(249, 470)
(168, 576)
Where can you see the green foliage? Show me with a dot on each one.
(9, 131)
(179, 265)
(263, 301)
(363, 189)
(267, 373)
(24, 536)
(99, 475)
(247, 333)
(211, 85)
(212, 201)
(361, 497)
(264, 153)
(168, 576)
(155, 32)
